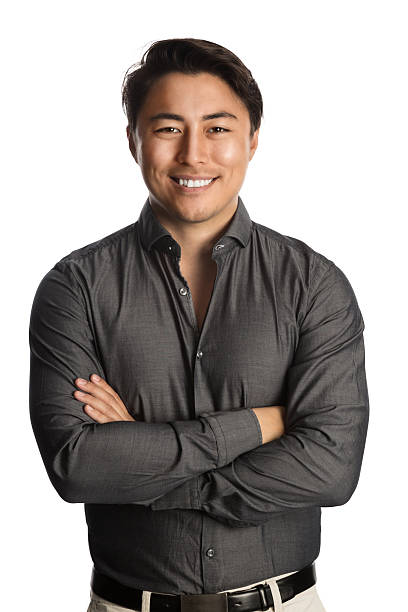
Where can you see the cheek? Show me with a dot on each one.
(155, 156)
(230, 153)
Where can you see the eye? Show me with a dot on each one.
(219, 128)
(166, 128)
(173, 128)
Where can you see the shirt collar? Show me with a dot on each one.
(153, 234)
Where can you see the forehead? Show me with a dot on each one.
(197, 94)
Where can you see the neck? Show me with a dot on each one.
(196, 238)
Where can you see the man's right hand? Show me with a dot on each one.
(271, 420)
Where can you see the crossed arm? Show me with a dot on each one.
(104, 406)
(315, 462)
(112, 458)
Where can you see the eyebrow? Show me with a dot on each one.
(203, 118)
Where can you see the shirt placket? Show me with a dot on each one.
(211, 553)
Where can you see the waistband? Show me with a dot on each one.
(257, 596)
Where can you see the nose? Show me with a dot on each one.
(193, 148)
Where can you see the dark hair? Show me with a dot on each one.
(189, 56)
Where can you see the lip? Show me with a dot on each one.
(192, 177)
(185, 189)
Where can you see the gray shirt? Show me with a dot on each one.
(187, 498)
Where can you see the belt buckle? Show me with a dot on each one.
(205, 602)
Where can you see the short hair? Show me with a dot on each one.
(189, 56)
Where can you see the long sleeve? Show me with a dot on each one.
(117, 462)
(317, 461)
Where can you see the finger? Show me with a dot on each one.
(96, 415)
(100, 392)
(102, 384)
(98, 404)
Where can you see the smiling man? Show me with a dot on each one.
(197, 379)
(193, 164)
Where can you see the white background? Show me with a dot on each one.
(330, 169)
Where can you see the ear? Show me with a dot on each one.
(253, 144)
(132, 146)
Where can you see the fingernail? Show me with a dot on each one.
(81, 381)
(95, 377)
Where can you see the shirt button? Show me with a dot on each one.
(210, 552)
(219, 246)
(183, 291)
(199, 354)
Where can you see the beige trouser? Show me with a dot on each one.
(307, 601)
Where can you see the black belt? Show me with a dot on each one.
(258, 597)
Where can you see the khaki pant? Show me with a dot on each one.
(307, 601)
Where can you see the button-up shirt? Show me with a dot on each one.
(187, 498)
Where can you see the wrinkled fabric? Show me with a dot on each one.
(186, 498)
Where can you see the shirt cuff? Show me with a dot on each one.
(236, 432)
(185, 496)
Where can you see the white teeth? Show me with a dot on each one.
(190, 183)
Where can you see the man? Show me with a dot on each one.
(231, 402)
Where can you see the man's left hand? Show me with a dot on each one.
(102, 403)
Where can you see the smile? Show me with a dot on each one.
(190, 186)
